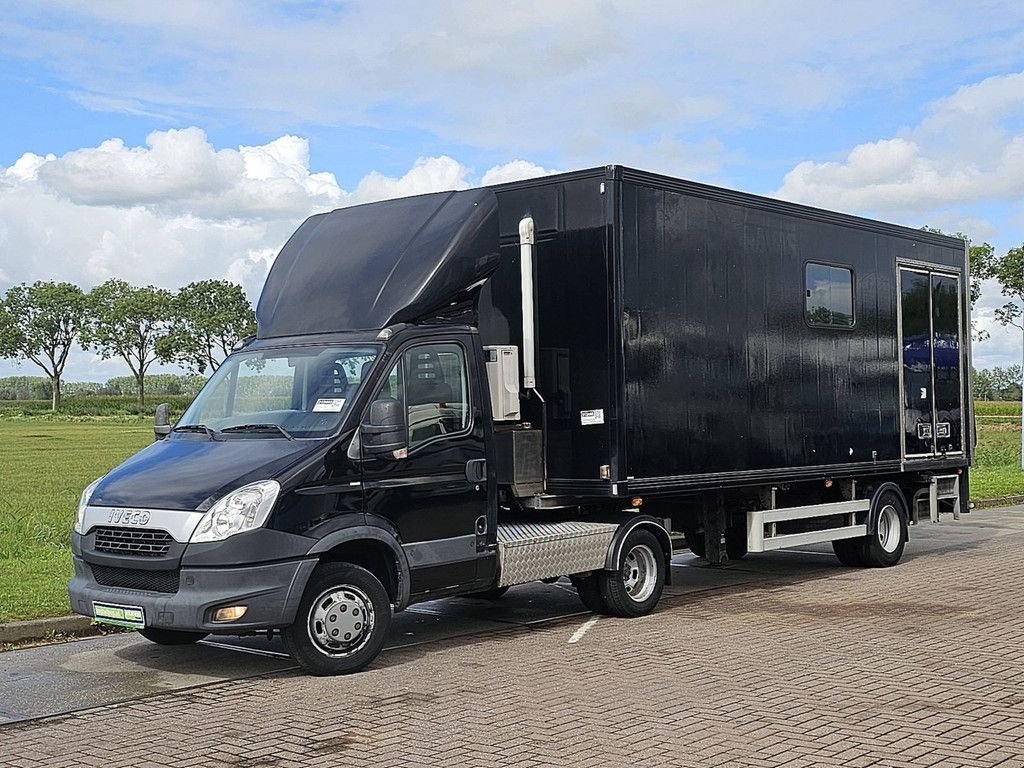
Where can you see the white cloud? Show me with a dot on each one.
(515, 170)
(969, 148)
(179, 209)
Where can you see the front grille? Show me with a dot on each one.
(134, 578)
(133, 541)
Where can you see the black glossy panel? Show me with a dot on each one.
(918, 396)
(948, 406)
(372, 265)
(722, 372)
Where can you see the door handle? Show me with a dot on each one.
(476, 470)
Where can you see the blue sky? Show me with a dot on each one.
(170, 142)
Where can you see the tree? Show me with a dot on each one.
(128, 322)
(981, 260)
(40, 323)
(983, 384)
(1009, 271)
(209, 318)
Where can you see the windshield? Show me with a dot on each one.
(280, 393)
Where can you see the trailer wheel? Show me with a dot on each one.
(589, 590)
(695, 541)
(341, 622)
(850, 552)
(636, 587)
(885, 547)
(736, 542)
(171, 636)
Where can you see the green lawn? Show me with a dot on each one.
(43, 468)
(45, 463)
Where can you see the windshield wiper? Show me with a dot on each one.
(196, 428)
(259, 428)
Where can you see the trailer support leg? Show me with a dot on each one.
(714, 521)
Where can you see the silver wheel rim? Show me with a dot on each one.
(889, 529)
(340, 621)
(640, 573)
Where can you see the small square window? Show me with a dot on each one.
(829, 292)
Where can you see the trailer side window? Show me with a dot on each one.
(437, 399)
(829, 292)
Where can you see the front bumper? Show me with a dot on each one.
(270, 592)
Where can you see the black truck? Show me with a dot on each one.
(454, 393)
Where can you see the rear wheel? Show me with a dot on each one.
(171, 636)
(695, 541)
(736, 542)
(342, 620)
(850, 552)
(589, 590)
(636, 587)
(885, 547)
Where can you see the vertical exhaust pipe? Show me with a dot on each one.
(526, 282)
(526, 242)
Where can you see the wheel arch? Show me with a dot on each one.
(873, 511)
(373, 548)
(613, 560)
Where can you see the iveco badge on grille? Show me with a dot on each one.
(128, 516)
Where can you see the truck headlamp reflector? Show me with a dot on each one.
(83, 502)
(242, 510)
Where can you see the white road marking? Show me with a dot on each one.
(241, 649)
(579, 633)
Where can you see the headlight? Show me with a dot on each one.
(243, 510)
(83, 502)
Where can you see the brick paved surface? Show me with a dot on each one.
(920, 665)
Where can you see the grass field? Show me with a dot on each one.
(46, 461)
(43, 468)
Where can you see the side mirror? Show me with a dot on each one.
(384, 430)
(162, 421)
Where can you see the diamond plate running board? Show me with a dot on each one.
(533, 551)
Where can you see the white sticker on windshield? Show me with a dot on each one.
(592, 417)
(329, 405)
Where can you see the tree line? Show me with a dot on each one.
(997, 383)
(194, 327)
(157, 384)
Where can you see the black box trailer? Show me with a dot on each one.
(460, 392)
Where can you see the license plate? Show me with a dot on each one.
(119, 615)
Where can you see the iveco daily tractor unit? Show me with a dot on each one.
(455, 393)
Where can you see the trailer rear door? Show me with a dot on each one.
(930, 340)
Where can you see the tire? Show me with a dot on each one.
(736, 542)
(850, 552)
(490, 594)
(636, 587)
(884, 548)
(695, 542)
(589, 590)
(171, 636)
(349, 598)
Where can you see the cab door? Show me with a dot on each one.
(930, 358)
(434, 492)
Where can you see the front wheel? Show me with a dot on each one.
(171, 636)
(342, 620)
(636, 587)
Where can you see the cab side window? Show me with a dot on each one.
(436, 392)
